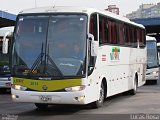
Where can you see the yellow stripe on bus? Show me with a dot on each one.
(46, 85)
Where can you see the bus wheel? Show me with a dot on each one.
(41, 106)
(100, 102)
(134, 90)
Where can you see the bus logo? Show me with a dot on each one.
(114, 55)
(44, 87)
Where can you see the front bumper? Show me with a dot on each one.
(48, 97)
(152, 77)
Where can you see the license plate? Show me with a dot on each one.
(45, 98)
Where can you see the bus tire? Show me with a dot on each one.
(100, 102)
(134, 90)
(41, 106)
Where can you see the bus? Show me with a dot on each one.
(44, 71)
(4, 58)
(152, 73)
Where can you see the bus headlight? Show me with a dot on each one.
(19, 87)
(75, 88)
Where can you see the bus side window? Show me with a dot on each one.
(113, 31)
(127, 35)
(93, 26)
(141, 38)
(121, 34)
(109, 31)
(142, 41)
(135, 37)
(93, 29)
(103, 30)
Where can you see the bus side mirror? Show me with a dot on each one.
(5, 46)
(5, 42)
(94, 45)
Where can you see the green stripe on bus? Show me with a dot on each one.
(46, 85)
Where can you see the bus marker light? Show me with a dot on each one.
(81, 98)
(15, 96)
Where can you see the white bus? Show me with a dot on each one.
(44, 71)
(5, 75)
(152, 73)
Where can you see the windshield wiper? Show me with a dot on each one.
(52, 62)
(40, 60)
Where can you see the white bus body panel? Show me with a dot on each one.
(119, 73)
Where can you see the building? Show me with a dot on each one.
(113, 9)
(146, 11)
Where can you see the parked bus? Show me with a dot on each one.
(152, 72)
(44, 71)
(4, 58)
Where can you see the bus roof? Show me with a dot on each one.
(149, 38)
(6, 29)
(76, 9)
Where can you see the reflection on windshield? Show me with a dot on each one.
(152, 60)
(50, 46)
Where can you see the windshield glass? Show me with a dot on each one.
(4, 62)
(152, 60)
(50, 45)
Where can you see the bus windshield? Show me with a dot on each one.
(4, 63)
(50, 46)
(152, 58)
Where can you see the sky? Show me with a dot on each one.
(125, 6)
